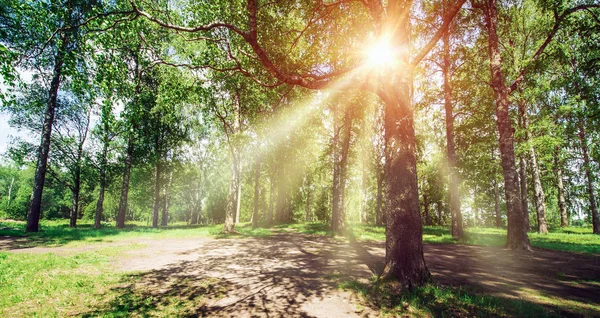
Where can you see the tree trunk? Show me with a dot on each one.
(35, 208)
(337, 225)
(125, 186)
(76, 190)
(426, 209)
(404, 230)
(499, 222)
(340, 172)
(157, 190)
(256, 193)
(232, 201)
(454, 196)
(363, 191)
(238, 195)
(103, 166)
(307, 208)
(75, 206)
(523, 187)
(540, 198)
(380, 179)
(540, 205)
(562, 205)
(12, 182)
(166, 200)
(269, 216)
(516, 234)
(590, 179)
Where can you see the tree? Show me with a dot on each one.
(404, 254)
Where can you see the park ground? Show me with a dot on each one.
(294, 270)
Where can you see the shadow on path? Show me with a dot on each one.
(296, 275)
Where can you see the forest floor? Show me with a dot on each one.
(294, 274)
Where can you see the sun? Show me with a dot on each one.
(381, 54)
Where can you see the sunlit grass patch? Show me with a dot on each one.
(51, 285)
(438, 301)
(58, 233)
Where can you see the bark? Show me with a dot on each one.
(130, 148)
(238, 195)
(103, 165)
(364, 190)
(232, 201)
(34, 213)
(523, 187)
(499, 222)
(340, 168)
(438, 205)
(426, 209)
(269, 216)
(454, 196)
(540, 205)
(307, 208)
(76, 191)
(404, 231)
(125, 185)
(157, 194)
(516, 234)
(562, 204)
(166, 200)
(256, 193)
(380, 179)
(590, 180)
(10, 187)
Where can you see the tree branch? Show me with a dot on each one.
(557, 22)
(447, 19)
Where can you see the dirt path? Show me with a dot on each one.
(295, 275)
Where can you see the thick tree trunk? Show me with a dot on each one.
(157, 194)
(516, 236)
(256, 193)
(35, 208)
(404, 231)
(125, 185)
(590, 180)
(454, 196)
(562, 204)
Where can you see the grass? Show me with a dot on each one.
(47, 284)
(436, 301)
(569, 239)
(86, 284)
(58, 233)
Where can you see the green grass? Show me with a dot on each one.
(47, 284)
(435, 301)
(84, 283)
(58, 233)
(570, 239)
